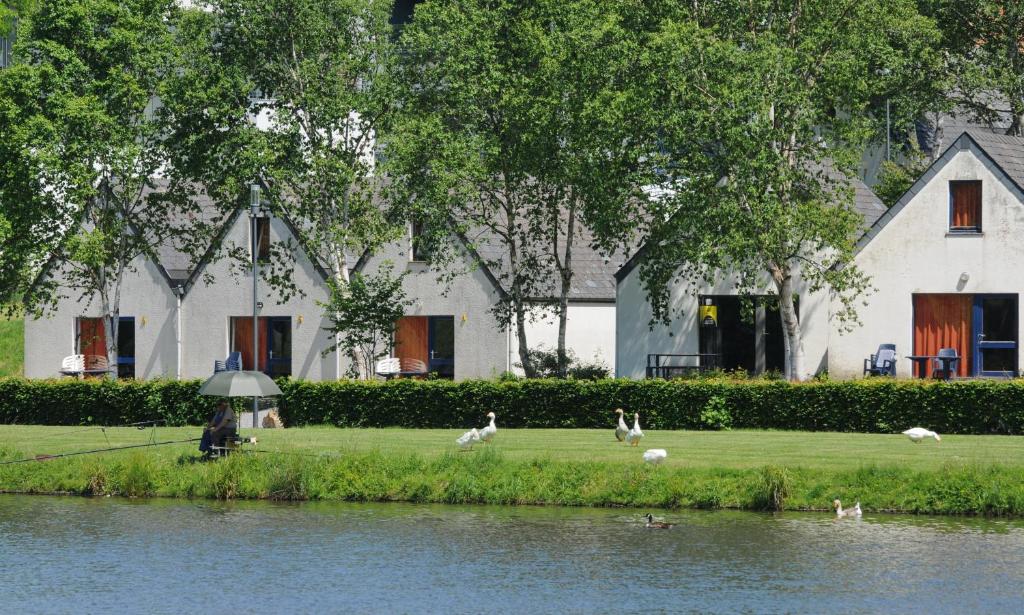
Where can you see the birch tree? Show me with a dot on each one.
(985, 44)
(761, 109)
(80, 152)
(293, 93)
(510, 137)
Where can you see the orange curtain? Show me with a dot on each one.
(242, 340)
(411, 339)
(943, 321)
(966, 204)
(91, 339)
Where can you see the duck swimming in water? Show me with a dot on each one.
(658, 525)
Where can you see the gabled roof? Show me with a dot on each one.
(1004, 154)
(593, 278)
(865, 202)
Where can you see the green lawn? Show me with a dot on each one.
(12, 347)
(739, 449)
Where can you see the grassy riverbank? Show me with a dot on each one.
(737, 469)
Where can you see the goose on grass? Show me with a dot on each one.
(634, 434)
(621, 429)
(916, 434)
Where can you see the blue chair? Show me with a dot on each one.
(938, 369)
(232, 364)
(883, 362)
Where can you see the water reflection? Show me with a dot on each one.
(74, 554)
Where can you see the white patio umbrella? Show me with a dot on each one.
(239, 384)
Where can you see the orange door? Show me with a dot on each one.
(411, 338)
(944, 321)
(91, 340)
(242, 340)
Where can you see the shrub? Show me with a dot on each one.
(715, 415)
(876, 405)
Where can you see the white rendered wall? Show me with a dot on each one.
(145, 295)
(635, 339)
(208, 308)
(589, 333)
(481, 346)
(913, 253)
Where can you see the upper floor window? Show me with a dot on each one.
(263, 239)
(420, 252)
(965, 207)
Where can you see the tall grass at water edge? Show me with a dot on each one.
(488, 477)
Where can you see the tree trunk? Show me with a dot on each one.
(111, 320)
(342, 280)
(790, 326)
(524, 350)
(563, 318)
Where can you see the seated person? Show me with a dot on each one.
(220, 427)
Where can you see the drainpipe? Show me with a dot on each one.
(178, 291)
(508, 344)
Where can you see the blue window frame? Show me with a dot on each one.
(994, 332)
(126, 347)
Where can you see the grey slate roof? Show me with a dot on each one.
(1006, 151)
(177, 263)
(593, 273)
(865, 202)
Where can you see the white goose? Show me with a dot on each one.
(621, 430)
(852, 512)
(468, 439)
(655, 456)
(487, 433)
(916, 434)
(634, 434)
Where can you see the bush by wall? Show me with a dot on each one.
(876, 405)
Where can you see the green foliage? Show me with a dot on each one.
(92, 402)
(512, 134)
(759, 113)
(490, 476)
(80, 152)
(364, 314)
(896, 178)
(770, 490)
(545, 363)
(12, 347)
(983, 41)
(319, 73)
(715, 414)
(976, 407)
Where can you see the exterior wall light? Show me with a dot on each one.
(964, 277)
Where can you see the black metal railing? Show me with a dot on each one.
(668, 366)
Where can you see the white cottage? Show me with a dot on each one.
(947, 261)
(711, 328)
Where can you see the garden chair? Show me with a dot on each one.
(232, 364)
(883, 362)
(96, 365)
(413, 367)
(73, 365)
(388, 367)
(938, 364)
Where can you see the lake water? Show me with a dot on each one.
(153, 556)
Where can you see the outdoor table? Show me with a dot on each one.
(921, 362)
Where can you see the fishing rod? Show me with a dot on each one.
(98, 450)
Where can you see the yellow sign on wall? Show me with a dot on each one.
(709, 315)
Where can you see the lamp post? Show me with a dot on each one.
(254, 212)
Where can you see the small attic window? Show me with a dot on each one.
(965, 207)
(263, 239)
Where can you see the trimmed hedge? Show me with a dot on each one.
(873, 405)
